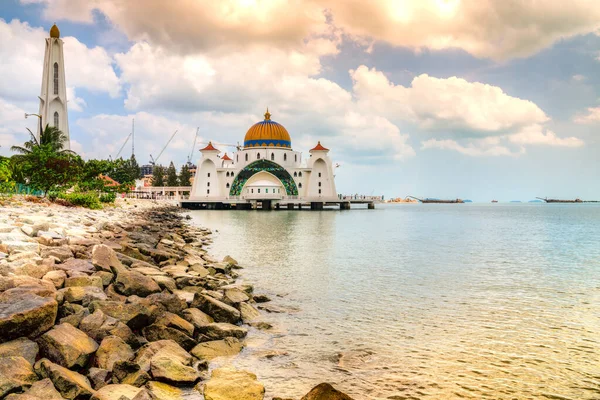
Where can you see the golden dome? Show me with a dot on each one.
(54, 32)
(267, 133)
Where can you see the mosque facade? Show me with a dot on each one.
(266, 169)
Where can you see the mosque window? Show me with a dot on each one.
(258, 190)
(207, 191)
(227, 186)
(237, 158)
(246, 156)
(300, 185)
(266, 190)
(272, 156)
(55, 78)
(319, 174)
(319, 184)
(319, 191)
(56, 119)
(252, 190)
(295, 174)
(295, 157)
(285, 157)
(208, 183)
(209, 174)
(300, 174)
(258, 156)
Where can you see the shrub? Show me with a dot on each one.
(34, 199)
(82, 199)
(108, 197)
(63, 202)
(52, 196)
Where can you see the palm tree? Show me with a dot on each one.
(50, 136)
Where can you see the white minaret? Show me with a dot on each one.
(53, 98)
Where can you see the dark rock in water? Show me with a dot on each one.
(220, 311)
(325, 391)
(21, 347)
(164, 368)
(261, 298)
(67, 346)
(15, 374)
(25, 314)
(222, 330)
(40, 390)
(69, 383)
(157, 332)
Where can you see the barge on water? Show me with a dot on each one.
(547, 200)
(438, 201)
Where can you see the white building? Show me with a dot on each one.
(53, 97)
(265, 170)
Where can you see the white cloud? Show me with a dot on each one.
(535, 135)
(485, 28)
(75, 103)
(13, 126)
(471, 149)
(591, 117)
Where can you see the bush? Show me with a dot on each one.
(82, 199)
(63, 202)
(52, 196)
(108, 197)
(34, 199)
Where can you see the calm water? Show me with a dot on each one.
(423, 301)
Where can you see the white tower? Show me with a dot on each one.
(53, 98)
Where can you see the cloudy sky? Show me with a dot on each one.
(477, 99)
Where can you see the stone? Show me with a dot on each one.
(21, 347)
(117, 392)
(25, 314)
(106, 277)
(197, 317)
(111, 350)
(221, 330)
(165, 282)
(70, 384)
(149, 271)
(99, 377)
(134, 315)
(40, 390)
(232, 384)
(163, 391)
(162, 348)
(175, 321)
(229, 260)
(83, 294)
(133, 283)
(325, 391)
(157, 332)
(16, 374)
(104, 258)
(167, 369)
(200, 270)
(217, 348)
(235, 296)
(63, 253)
(67, 346)
(57, 278)
(218, 310)
(99, 325)
(17, 245)
(137, 378)
(248, 312)
(78, 281)
(75, 264)
(165, 302)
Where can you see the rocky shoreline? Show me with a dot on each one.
(120, 304)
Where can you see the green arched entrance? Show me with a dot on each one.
(259, 166)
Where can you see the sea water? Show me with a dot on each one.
(422, 301)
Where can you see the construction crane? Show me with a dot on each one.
(154, 160)
(126, 140)
(189, 160)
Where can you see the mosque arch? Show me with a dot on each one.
(55, 78)
(268, 166)
(56, 119)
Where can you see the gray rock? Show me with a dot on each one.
(104, 258)
(67, 346)
(40, 390)
(218, 310)
(156, 332)
(99, 325)
(25, 314)
(136, 316)
(21, 347)
(133, 283)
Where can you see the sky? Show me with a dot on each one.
(471, 99)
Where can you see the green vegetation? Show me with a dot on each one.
(43, 167)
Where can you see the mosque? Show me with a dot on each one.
(266, 171)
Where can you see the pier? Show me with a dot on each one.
(180, 195)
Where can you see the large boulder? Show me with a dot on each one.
(16, 374)
(130, 283)
(117, 392)
(164, 368)
(218, 310)
(57, 277)
(25, 314)
(134, 315)
(21, 347)
(67, 346)
(221, 330)
(99, 325)
(75, 265)
(249, 313)
(163, 391)
(85, 280)
(62, 253)
(235, 296)
(325, 391)
(157, 332)
(111, 350)
(40, 390)
(69, 383)
(104, 258)
(197, 317)
(175, 321)
(161, 349)
(217, 348)
(83, 294)
(231, 384)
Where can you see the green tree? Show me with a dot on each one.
(158, 175)
(185, 175)
(172, 179)
(46, 170)
(90, 179)
(125, 171)
(53, 137)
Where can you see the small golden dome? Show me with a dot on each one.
(54, 32)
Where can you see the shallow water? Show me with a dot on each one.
(418, 301)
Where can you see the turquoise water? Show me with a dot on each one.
(423, 301)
